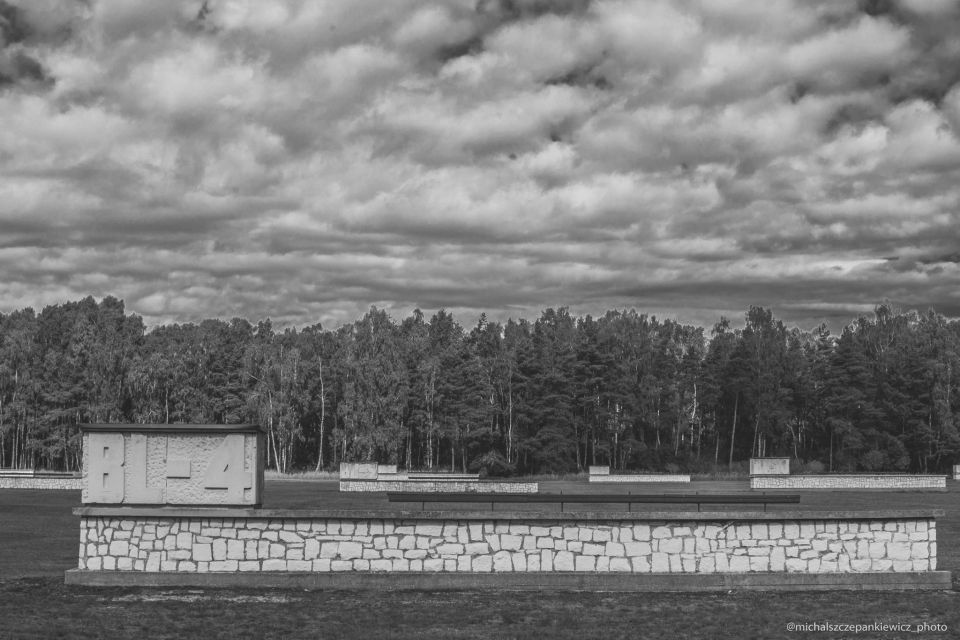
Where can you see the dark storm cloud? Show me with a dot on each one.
(17, 64)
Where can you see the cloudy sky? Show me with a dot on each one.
(305, 159)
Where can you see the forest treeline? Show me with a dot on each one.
(552, 395)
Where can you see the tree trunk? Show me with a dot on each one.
(323, 411)
(716, 444)
(831, 449)
(676, 434)
(733, 429)
(576, 447)
(656, 425)
(510, 417)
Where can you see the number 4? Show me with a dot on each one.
(225, 470)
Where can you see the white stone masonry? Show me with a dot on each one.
(29, 482)
(208, 544)
(850, 481)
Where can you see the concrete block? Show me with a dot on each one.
(234, 550)
(563, 561)
(502, 561)
(640, 565)
(898, 551)
(533, 562)
(519, 561)
(739, 564)
(660, 563)
(476, 548)
(429, 529)
(546, 560)
(381, 565)
(670, 545)
(510, 542)
(637, 548)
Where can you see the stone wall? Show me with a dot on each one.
(857, 481)
(207, 541)
(641, 477)
(439, 486)
(41, 482)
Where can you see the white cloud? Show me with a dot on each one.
(303, 160)
(838, 59)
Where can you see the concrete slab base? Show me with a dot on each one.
(554, 581)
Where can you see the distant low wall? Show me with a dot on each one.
(29, 479)
(851, 481)
(438, 486)
(115, 542)
(370, 471)
(604, 474)
(641, 477)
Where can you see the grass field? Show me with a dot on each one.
(38, 541)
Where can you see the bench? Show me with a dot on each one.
(598, 498)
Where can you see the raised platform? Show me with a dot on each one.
(535, 550)
(862, 481)
(557, 581)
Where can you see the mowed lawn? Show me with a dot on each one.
(39, 538)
